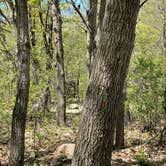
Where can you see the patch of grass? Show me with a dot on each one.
(142, 158)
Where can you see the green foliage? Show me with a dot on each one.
(142, 157)
(147, 73)
(8, 76)
(145, 83)
(146, 88)
(34, 2)
(74, 40)
(75, 53)
(146, 78)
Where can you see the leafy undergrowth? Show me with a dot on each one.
(142, 155)
(43, 137)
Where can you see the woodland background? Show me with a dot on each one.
(145, 107)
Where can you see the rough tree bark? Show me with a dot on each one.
(164, 43)
(119, 139)
(163, 8)
(20, 109)
(91, 43)
(163, 131)
(61, 96)
(116, 41)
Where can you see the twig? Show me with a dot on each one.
(148, 141)
(143, 3)
(81, 16)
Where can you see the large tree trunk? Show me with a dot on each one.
(116, 41)
(61, 96)
(91, 33)
(20, 109)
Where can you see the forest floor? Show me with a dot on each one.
(42, 139)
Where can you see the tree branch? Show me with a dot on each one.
(3, 15)
(143, 3)
(40, 15)
(12, 8)
(11, 5)
(81, 16)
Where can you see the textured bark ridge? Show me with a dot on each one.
(116, 41)
(91, 43)
(61, 97)
(20, 109)
(164, 45)
(119, 139)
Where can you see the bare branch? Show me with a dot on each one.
(47, 16)
(12, 8)
(5, 49)
(4, 16)
(11, 5)
(81, 16)
(142, 4)
(40, 15)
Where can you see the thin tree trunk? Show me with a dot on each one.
(163, 132)
(34, 60)
(164, 25)
(91, 44)
(61, 96)
(20, 109)
(47, 28)
(78, 87)
(165, 99)
(116, 41)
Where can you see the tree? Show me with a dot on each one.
(147, 70)
(61, 96)
(91, 29)
(20, 108)
(75, 59)
(91, 48)
(34, 60)
(47, 28)
(163, 12)
(91, 32)
(114, 47)
(120, 116)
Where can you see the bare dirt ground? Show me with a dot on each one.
(42, 142)
(126, 157)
